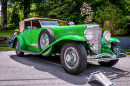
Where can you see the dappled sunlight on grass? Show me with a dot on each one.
(5, 47)
(8, 33)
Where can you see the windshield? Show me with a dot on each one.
(48, 23)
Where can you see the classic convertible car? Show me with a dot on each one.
(76, 44)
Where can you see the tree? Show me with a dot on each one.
(61, 10)
(26, 8)
(4, 14)
(111, 17)
(14, 20)
(75, 13)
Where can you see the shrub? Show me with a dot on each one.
(12, 26)
(110, 17)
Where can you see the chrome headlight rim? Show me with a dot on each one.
(107, 35)
(88, 34)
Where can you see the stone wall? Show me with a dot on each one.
(4, 40)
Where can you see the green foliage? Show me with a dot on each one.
(110, 14)
(11, 26)
(75, 13)
(60, 10)
(14, 20)
(110, 17)
(77, 18)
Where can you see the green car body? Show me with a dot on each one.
(29, 41)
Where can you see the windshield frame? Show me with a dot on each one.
(47, 21)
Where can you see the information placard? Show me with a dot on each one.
(101, 78)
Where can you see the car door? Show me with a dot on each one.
(35, 32)
(34, 37)
(27, 33)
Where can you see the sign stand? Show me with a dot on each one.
(101, 78)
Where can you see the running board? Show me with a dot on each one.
(29, 51)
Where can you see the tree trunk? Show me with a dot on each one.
(49, 2)
(4, 14)
(62, 0)
(26, 8)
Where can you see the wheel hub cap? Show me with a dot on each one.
(68, 58)
(71, 57)
(44, 41)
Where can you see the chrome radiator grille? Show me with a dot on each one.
(96, 41)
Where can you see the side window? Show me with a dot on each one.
(28, 25)
(35, 24)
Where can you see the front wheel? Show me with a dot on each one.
(73, 57)
(18, 53)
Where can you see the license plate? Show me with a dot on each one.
(117, 49)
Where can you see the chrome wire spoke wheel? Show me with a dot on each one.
(17, 48)
(44, 41)
(45, 38)
(18, 52)
(71, 58)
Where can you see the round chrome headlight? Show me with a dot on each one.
(88, 34)
(107, 35)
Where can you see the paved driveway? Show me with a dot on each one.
(40, 71)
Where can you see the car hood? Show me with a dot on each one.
(69, 30)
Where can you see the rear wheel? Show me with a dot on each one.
(73, 57)
(18, 53)
(111, 62)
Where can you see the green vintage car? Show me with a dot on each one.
(76, 44)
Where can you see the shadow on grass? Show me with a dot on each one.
(53, 66)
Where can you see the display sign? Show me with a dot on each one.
(101, 78)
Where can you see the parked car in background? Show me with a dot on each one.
(77, 44)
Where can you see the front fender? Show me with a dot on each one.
(111, 40)
(22, 44)
(68, 37)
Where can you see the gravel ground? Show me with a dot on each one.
(40, 71)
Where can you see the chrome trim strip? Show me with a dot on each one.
(93, 57)
(99, 60)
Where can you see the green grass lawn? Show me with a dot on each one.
(126, 50)
(5, 47)
(8, 33)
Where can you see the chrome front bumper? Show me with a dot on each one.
(99, 58)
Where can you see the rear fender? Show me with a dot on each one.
(22, 44)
